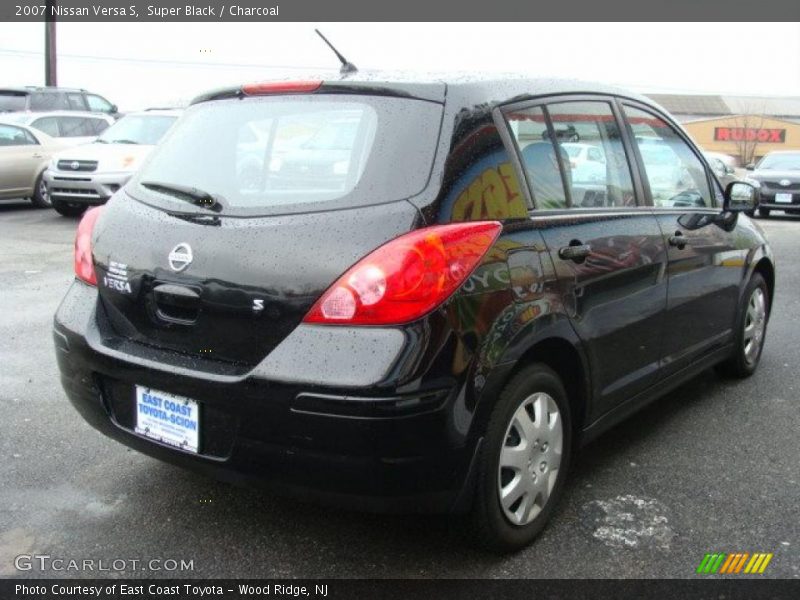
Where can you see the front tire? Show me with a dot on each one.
(68, 209)
(751, 330)
(41, 197)
(523, 461)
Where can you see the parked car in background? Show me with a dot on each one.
(87, 175)
(428, 322)
(777, 176)
(722, 165)
(72, 127)
(24, 154)
(587, 162)
(41, 99)
(728, 160)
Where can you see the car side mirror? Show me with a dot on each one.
(114, 109)
(750, 167)
(740, 197)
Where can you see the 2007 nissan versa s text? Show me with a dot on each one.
(402, 295)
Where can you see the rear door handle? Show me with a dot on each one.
(575, 251)
(37, 155)
(678, 240)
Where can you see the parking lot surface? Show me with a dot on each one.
(712, 467)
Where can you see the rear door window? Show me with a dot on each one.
(15, 136)
(77, 127)
(573, 155)
(677, 177)
(76, 102)
(298, 153)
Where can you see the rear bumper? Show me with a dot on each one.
(84, 187)
(365, 448)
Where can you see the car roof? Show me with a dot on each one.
(493, 89)
(31, 116)
(33, 88)
(156, 112)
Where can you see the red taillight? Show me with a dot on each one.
(407, 277)
(84, 266)
(280, 87)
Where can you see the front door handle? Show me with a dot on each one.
(678, 240)
(575, 251)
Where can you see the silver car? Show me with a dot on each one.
(24, 154)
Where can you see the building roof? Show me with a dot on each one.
(681, 104)
(707, 105)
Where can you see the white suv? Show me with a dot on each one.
(88, 175)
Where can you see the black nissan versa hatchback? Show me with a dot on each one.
(405, 295)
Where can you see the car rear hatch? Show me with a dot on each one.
(216, 251)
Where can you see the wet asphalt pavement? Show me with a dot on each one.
(713, 467)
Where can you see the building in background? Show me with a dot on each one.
(746, 127)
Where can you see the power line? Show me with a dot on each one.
(32, 53)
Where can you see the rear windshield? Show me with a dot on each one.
(138, 129)
(12, 101)
(294, 153)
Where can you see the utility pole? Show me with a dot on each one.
(50, 68)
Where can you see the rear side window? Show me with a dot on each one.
(573, 155)
(12, 101)
(676, 176)
(49, 101)
(298, 153)
(77, 127)
(47, 124)
(539, 157)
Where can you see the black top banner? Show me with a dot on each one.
(408, 10)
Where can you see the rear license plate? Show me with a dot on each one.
(174, 420)
(784, 198)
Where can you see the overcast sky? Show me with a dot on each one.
(140, 64)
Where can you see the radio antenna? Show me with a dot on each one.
(347, 67)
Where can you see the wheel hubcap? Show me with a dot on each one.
(530, 458)
(43, 192)
(755, 323)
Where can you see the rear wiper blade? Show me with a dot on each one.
(185, 192)
(123, 141)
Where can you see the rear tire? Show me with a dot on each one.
(68, 209)
(41, 197)
(524, 458)
(763, 212)
(751, 330)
